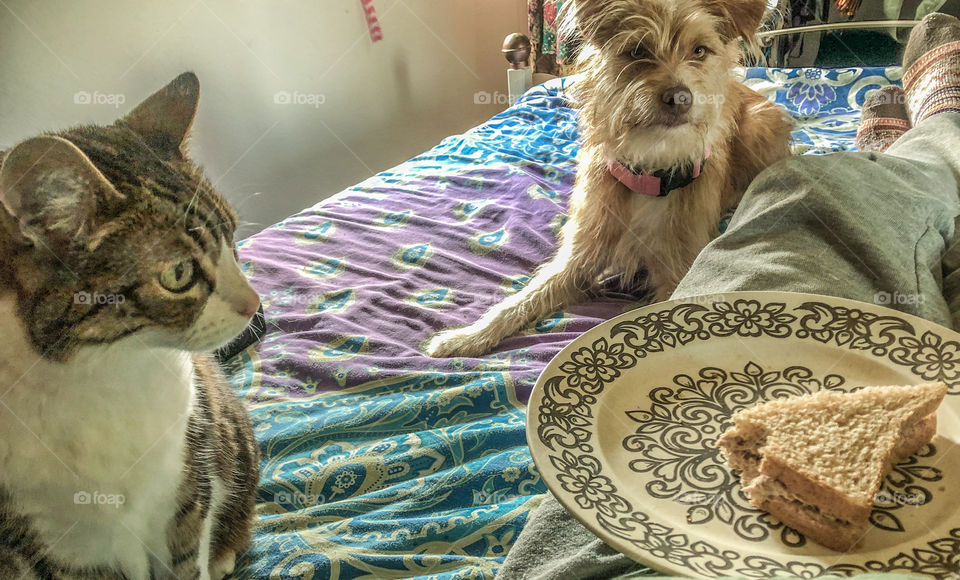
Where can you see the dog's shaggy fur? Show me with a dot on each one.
(638, 54)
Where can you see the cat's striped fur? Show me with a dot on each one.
(118, 276)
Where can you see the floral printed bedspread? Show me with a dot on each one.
(379, 462)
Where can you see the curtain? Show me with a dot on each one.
(552, 53)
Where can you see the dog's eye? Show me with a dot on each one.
(639, 53)
(700, 52)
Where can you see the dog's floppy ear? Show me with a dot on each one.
(592, 19)
(740, 18)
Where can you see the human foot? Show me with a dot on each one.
(931, 62)
(884, 119)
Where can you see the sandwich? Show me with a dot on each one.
(816, 462)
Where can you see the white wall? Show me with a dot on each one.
(383, 102)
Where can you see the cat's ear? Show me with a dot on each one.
(164, 119)
(52, 189)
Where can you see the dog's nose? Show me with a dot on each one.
(677, 100)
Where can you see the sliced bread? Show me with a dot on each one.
(816, 462)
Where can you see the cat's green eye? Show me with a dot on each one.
(178, 277)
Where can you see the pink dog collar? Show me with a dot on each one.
(658, 183)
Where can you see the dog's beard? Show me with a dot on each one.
(661, 146)
(641, 137)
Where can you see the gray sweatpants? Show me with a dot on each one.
(850, 225)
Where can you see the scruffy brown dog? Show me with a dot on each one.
(669, 140)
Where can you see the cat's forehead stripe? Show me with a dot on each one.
(201, 237)
(179, 183)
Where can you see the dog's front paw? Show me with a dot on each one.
(461, 342)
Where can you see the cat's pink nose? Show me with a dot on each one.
(247, 303)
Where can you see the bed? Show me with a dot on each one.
(379, 462)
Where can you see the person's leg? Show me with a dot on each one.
(932, 82)
(554, 545)
(931, 60)
(850, 225)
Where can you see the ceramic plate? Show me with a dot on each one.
(622, 424)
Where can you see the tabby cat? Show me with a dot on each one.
(123, 452)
